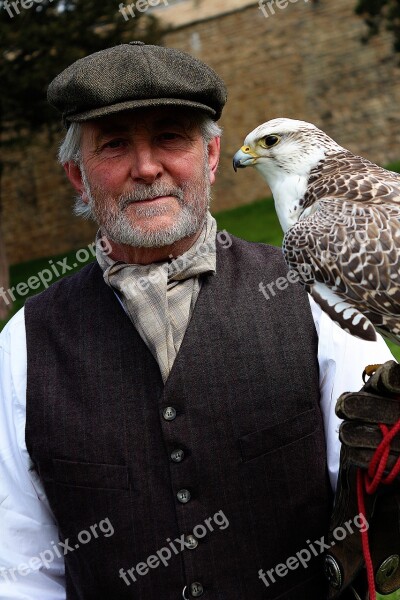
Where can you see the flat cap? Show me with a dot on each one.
(135, 75)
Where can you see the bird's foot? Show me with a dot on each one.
(369, 371)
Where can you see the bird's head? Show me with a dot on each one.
(283, 147)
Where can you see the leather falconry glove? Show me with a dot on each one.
(365, 525)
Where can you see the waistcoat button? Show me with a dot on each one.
(191, 542)
(196, 589)
(169, 413)
(177, 455)
(387, 571)
(183, 496)
(333, 572)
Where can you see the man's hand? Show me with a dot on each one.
(377, 403)
(369, 417)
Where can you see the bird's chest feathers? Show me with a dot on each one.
(288, 192)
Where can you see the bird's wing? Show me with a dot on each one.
(348, 258)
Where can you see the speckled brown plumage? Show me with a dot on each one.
(352, 241)
(341, 217)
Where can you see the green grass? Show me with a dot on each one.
(394, 166)
(23, 271)
(256, 222)
(394, 596)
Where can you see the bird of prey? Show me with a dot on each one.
(341, 217)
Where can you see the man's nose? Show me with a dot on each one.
(146, 167)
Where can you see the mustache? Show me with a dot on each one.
(149, 192)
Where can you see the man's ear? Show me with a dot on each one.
(214, 149)
(74, 174)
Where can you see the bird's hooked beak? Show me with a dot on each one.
(244, 157)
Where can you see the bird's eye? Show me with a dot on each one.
(269, 141)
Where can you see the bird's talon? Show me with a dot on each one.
(369, 371)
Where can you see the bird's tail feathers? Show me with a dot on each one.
(343, 313)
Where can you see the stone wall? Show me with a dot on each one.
(176, 13)
(306, 61)
(37, 202)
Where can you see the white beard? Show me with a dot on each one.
(194, 199)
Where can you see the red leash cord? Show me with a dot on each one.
(369, 482)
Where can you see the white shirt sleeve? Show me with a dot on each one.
(29, 566)
(342, 359)
(27, 527)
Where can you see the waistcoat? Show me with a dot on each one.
(230, 452)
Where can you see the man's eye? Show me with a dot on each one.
(114, 144)
(169, 136)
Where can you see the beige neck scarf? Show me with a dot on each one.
(159, 298)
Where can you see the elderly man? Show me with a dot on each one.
(167, 431)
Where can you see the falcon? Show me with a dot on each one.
(340, 214)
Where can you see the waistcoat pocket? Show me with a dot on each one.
(269, 439)
(90, 475)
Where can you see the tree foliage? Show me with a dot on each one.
(36, 44)
(41, 41)
(380, 14)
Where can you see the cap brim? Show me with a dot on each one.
(134, 104)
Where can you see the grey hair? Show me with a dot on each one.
(70, 147)
(209, 129)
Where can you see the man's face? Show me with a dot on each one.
(146, 175)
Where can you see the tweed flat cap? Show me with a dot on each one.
(132, 76)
